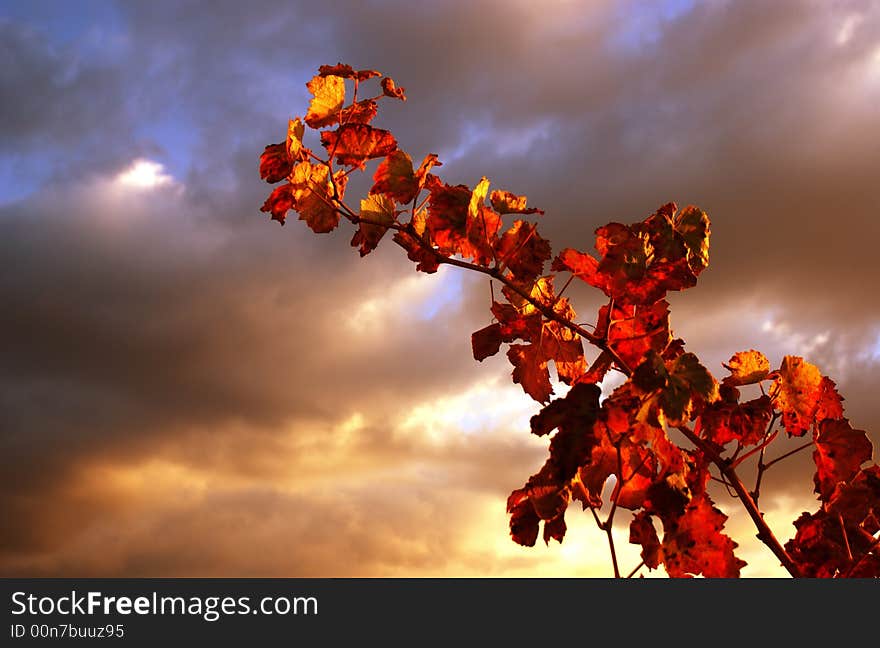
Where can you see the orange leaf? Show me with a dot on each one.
(800, 391)
(505, 202)
(394, 176)
(313, 196)
(530, 370)
(390, 89)
(564, 347)
(360, 113)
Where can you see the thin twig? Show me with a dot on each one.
(788, 454)
(636, 569)
(758, 448)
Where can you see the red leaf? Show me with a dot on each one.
(279, 202)
(554, 529)
(448, 217)
(426, 259)
(523, 519)
(838, 540)
(840, 452)
(523, 251)
(642, 532)
(640, 263)
(275, 164)
(693, 543)
(564, 347)
(394, 176)
(486, 342)
(727, 420)
(633, 331)
(346, 71)
(596, 372)
(631, 464)
(515, 325)
(354, 144)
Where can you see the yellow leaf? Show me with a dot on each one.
(329, 95)
(746, 368)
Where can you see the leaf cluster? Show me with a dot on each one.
(607, 453)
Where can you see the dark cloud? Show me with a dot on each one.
(176, 336)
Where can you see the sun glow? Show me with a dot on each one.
(144, 174)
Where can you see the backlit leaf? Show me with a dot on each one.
(295, 131)
(840, 452)
(377, 213)
(394, 176)
(632, 331)
(354, 144)
(839, 539)
(694, 544)
(803, 395)
(679, 388)
(640, 263)
(746, 368)
(425, 259)
(530, 370)
(328, 97)
(727, 420)
(279, 202)
(361, 112)
(523, 250)
(505, 202)
(275, 163)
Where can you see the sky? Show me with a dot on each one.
(188, 389)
